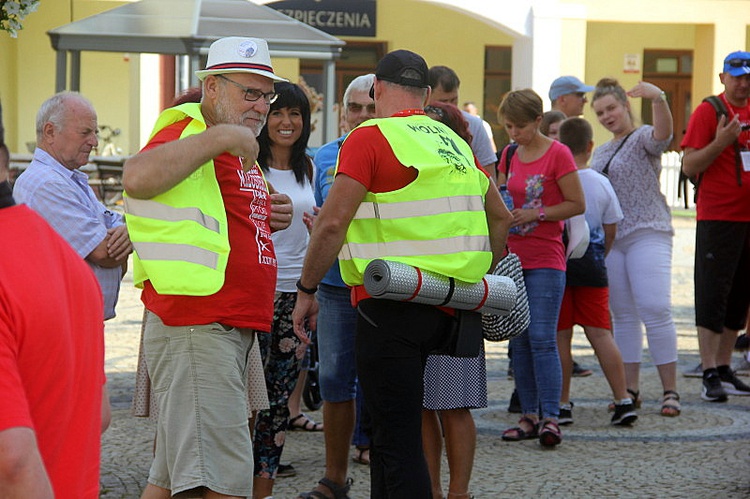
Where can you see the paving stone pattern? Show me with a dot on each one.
(704, 453)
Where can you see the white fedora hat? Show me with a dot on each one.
(235, 54)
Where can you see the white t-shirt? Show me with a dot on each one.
(291, 243)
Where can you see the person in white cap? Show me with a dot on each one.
(568, 95)
(200, 215)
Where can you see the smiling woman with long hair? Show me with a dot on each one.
(286, 166)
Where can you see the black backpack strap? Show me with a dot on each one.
(510, 150)
(721, 110)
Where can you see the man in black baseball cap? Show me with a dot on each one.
(377, 161)
(402, 67)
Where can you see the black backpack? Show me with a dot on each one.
(721, 110)
(511, 150)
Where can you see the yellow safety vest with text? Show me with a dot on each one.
(437, 222)
(180, 237)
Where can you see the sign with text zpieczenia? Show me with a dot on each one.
(335, 17)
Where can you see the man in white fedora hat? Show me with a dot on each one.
(200, 217)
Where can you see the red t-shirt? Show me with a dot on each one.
(51, 350)
(367, 157)
(246, 299)
(719, 195)
(539, 244)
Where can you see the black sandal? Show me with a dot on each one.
(339, 491)
(516, 434)
(302, 422)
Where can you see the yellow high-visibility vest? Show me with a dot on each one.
(437, 222)
(180, 237)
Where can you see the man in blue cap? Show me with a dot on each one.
(568, 95)
(717, 152)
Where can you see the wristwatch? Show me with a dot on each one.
(542, 216)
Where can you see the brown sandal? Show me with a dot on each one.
(670, 404)
(517, 433)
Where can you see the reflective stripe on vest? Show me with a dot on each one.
(152, 209)
(419, 208)
(180, 237)
(438, 221)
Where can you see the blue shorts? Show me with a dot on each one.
(337, 324)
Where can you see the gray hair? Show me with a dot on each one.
(361, 83)
(53, 111)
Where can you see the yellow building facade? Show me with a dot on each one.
(494, 46)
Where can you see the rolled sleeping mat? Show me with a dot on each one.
(401, 282)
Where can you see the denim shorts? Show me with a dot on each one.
(198, 376)
(337, 325)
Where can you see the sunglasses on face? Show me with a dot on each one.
(738, 63)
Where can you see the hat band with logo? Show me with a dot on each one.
(239, 55)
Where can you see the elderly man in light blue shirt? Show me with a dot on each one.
(53, 186)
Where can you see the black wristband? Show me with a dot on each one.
(308, 291)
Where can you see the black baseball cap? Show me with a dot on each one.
(403, 67)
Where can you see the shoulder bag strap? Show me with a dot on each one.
(605, 170)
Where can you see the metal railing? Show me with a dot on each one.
(678, 195)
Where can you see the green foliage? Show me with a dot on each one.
(13, 12)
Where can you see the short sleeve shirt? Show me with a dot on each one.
(63, 198)
(325, 171)
(533, 185)
(720, 197)
(246, 299)
(634, 173)
(602, 207)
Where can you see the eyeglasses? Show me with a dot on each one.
(435, 110)
(354, 107)
(580, 95)
(253, 94)
(738, 63)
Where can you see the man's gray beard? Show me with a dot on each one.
(224, 115)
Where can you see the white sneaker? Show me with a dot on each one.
(696, 372)
(742, 368)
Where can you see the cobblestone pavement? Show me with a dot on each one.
(704, 453)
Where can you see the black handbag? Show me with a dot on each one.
(505, 327)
